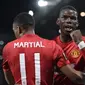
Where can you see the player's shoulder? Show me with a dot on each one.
(56, 38)
(47, 40)
(51, 43)
(9, 44)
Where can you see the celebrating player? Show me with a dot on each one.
(71, 41)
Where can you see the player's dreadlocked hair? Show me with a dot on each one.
(24, 19)
(68, 7)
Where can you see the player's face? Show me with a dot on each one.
(16, 30)
(68, 21)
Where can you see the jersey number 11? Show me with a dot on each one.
(23, 68)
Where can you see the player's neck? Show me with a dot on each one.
(29, 32)
(65, 38)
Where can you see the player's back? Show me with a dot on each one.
(31, 60)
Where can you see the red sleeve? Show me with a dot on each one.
(5, 59)
(59, 57)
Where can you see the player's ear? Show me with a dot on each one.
(19, 29)
(58, 21)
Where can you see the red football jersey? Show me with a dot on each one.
(31, 60)
(74, 55)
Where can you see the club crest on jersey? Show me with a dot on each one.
(75, 53)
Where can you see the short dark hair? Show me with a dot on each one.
(24, 19)
(67, 7)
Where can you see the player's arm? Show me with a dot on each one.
(63, 63)
(77, 38)
(9, 78)
(7, 72)
(75, 76)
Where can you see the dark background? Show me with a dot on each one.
(45, 17)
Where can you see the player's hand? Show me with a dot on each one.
(76, 36)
